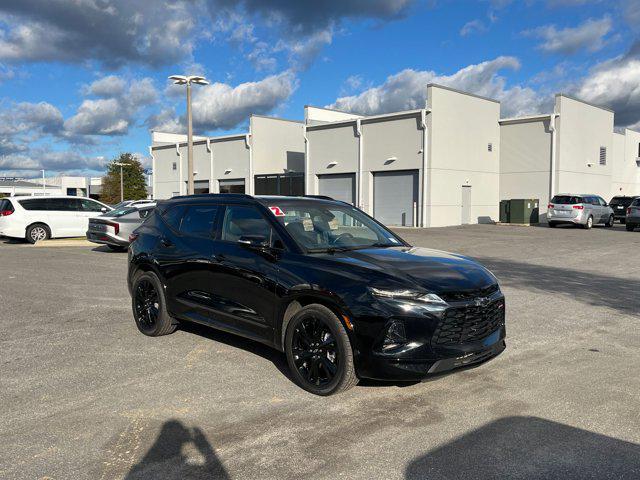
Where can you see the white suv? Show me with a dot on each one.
(40, 218)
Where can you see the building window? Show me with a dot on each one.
(490, 147)
(175, 166)
(603, 155)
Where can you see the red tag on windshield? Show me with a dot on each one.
(277, 211)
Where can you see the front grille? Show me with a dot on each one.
(469, 324)
(469, 294)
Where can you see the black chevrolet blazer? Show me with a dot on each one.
(344, 297)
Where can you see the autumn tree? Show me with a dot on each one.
(135, 187)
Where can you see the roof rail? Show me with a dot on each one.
(321, 197)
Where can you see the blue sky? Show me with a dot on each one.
(81, 80)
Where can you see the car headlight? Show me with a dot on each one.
(408, 294)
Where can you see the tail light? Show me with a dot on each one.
(578, 207)
(629, 211)
(116, 226)
(133, 237)
(550, 206)
(5, 213)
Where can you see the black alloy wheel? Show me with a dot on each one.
(315, 351)
(319, 351)
(149, 306)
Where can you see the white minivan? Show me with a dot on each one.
(40, 218)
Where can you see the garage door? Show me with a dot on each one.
(231, 186)
(339, 187)
(394, 195)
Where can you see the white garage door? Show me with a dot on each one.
(394, 196)
(339, 187)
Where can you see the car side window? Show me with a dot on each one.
(90, 206)
(240, 221)
(602, 202)
(173, 216)
(35, 204)
(199, 220)
(63, 204)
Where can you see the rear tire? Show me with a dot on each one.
(630, 227)
(37, 232)
(319, 352)
(589, 224)
(149, 306)
(610, 222)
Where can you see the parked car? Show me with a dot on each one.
(619, 204)
(344, 297)
(132, 203)
(40, 218)
(113, 228)
(584, 210)
(633, 215)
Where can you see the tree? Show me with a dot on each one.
(135, 186)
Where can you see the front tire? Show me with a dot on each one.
(319, 352)
(37, 232)
(609, 223)
(149, 305)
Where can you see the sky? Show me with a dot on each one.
(83, 80)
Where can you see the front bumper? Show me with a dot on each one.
(462, 335)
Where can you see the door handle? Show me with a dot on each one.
(166, 243)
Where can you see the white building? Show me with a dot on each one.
(429, 167)
(267, 159)
(572, 150)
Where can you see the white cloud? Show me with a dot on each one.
(166, 121)
(616, 83)
(474, 26)
(109, 86)
(586, 36)
(221, 106)
(408, 90)
(53, 161)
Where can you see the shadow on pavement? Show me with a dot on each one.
(274, 356)
(179, 453)
(588, 287)
(529, 448)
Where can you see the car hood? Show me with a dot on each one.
(433, 270)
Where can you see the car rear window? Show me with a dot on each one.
(626, 201)
(636, 202)
(6, 206)
(566, 200)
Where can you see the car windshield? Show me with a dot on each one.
(119, 212)
(323, 227)
(566, 200)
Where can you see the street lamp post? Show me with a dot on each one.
(188, 80)
(44, 187)
(121, 179)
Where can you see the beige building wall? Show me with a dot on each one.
(625, 169)
(525, 160)
(390, 144)
(231, 157)
(166, 179)
(277, 145)
(461, 127)
(582, 130)
(319, 116)
(330, 150)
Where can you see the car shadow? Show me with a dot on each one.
(529, 447)
(105, 249)
(168, 457)
(592, 288)
(269, 353)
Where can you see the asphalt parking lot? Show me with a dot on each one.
(84, 395)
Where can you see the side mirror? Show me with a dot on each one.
(104, 209)
(258, 242)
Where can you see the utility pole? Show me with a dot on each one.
(121, 179)
(188, 80)
(44, 187)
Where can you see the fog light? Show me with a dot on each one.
(395, 336)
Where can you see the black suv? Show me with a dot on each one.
(619, 205)
(340, 294)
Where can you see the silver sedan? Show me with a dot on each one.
(113, 228)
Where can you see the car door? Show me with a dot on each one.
(63, 216)
(244, 283)
(86, 209)
(593, 208)
(604, 210)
